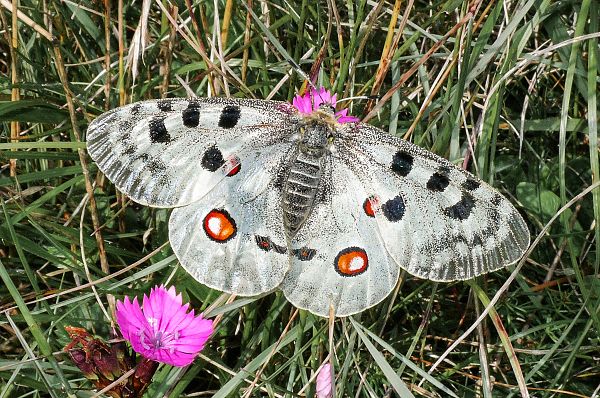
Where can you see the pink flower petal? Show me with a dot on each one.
(162, 329)
(325, 381)
(175, 322)
(130, 317)
(192, 349)
(312, 100)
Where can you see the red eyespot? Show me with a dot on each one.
(351, 261)
(219, 226)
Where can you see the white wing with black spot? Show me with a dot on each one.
(233, 238)
(171, 152)
(338, 256)
(436, 220)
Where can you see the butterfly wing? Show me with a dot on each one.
(338, 256)
(436, 220)
(233, 238)
(171, 152)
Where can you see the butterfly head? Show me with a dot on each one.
(316, 137)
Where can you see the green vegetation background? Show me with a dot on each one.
(512, 86)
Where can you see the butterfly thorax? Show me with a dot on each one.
(305, 171)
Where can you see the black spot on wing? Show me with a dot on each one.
(394, 209)
(135, 108)
(156, 166)
(462, 209)
(304, 253)
(265, 243)
(158, 131)
(212, 159)
(496, 200)
(402, 163)
(471, 184)
(165, 105)
(230, 115)
(437, 182)
(191, 115)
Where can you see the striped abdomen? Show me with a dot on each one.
(300, 190)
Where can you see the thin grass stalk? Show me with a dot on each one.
(216, 50)
(592, 116)
(339, 31)
(331, 324)
(391, 44)
(422, 325)
(23, 259)
(276, 346)
(121, 81)
(545, 360)
(486, 382)
(294, 364)
(298, 46)
(27, 21)
(246, 52)
(226, 22)
(83, 159)
(168, 53)
(347, 57)
(14, 79)
(33, 325)
(371, 19)
(454, 126)
(46, 379)
(567, 365)
(318, 62)
(504, 338)
(397, 383)
(431, 95)
(200, 42)
(107, 68)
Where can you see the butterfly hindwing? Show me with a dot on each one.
(171, 152)
(437, 220)
(338, 257)
(233, 238)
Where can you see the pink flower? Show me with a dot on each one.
(312, 100)
(162, 329)
(324, 381)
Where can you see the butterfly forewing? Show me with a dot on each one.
(172, 152)
(437, 221)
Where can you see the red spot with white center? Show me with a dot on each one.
(371, 205)
(219, 226)
(351, 261)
